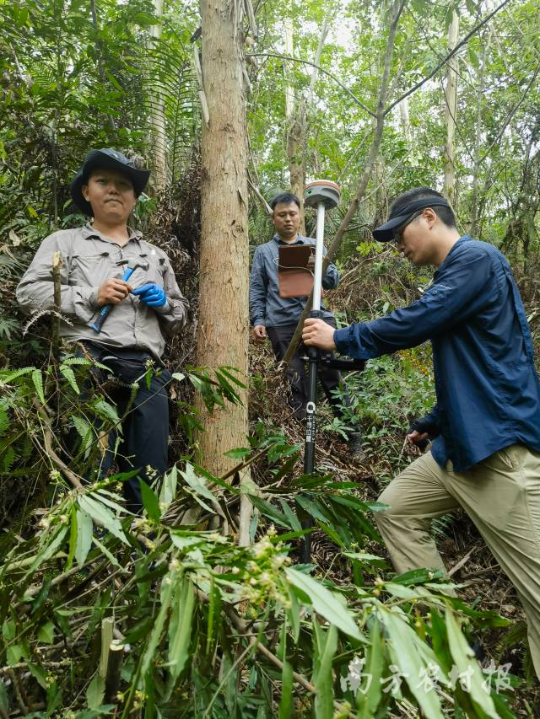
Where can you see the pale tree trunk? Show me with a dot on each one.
(449, 190)
(224, 263)
(478, 140)
(157, 117)
(293, 131)
(404, 117)
(296, 117)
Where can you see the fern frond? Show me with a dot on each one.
(69, 374)
(4, 419)
(85, 431)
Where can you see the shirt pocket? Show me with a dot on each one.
(91, 268)
(153, 271)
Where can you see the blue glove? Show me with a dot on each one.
(151, 294)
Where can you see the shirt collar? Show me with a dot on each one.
(300, 240)
(88, 232)
(462, 239)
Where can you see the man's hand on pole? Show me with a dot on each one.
(317, 333)
(259, 333)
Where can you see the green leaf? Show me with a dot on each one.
(468, 666)
(39, 674)
(293, 615)
(95, 692)
(405, 655)
(167, 591)
(46, 633)
(269, 511)
(15, 653)
(168, 488)
(85, 529)
(418, 576)
(150, 502)
(238, 453)
(69, 374)
(323, 680)
(180, 627)
(214, 614)
(102, 516)
(291, 516)
(286, 699)
(37, 379)
(10, 376)
(326, 603)
(369, 696)
(49, 545)
(312, 508)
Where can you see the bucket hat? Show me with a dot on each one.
(109, 159)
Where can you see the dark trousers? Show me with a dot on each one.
(330, 379)
(143, 442)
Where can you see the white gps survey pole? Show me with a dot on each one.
(324, 195)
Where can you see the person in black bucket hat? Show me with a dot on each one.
(111, 160)
(120, 302)
(485, 426)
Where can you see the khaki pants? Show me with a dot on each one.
(502, 497)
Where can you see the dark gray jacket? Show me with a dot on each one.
(266, 306)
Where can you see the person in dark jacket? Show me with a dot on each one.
(277, 317)
(485, 427)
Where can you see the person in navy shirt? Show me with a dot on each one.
(485, 426)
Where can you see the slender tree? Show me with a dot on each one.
(224, 265)
(451, 109)
(159, 126)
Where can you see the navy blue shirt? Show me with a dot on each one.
(488, 394)
(266, 306)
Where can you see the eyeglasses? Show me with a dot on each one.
(398, 234)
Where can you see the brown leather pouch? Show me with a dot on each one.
(294, 277)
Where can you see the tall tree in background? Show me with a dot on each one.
(296, 113)
(159, 126)
(224, 263)
(449, 190)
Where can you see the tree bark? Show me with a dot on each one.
(449, 190)
(223, 290)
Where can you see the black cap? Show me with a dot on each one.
(109, 159)
(401, 214)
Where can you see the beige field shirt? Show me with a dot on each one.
(90, 258)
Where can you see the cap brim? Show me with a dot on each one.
(386, 232)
